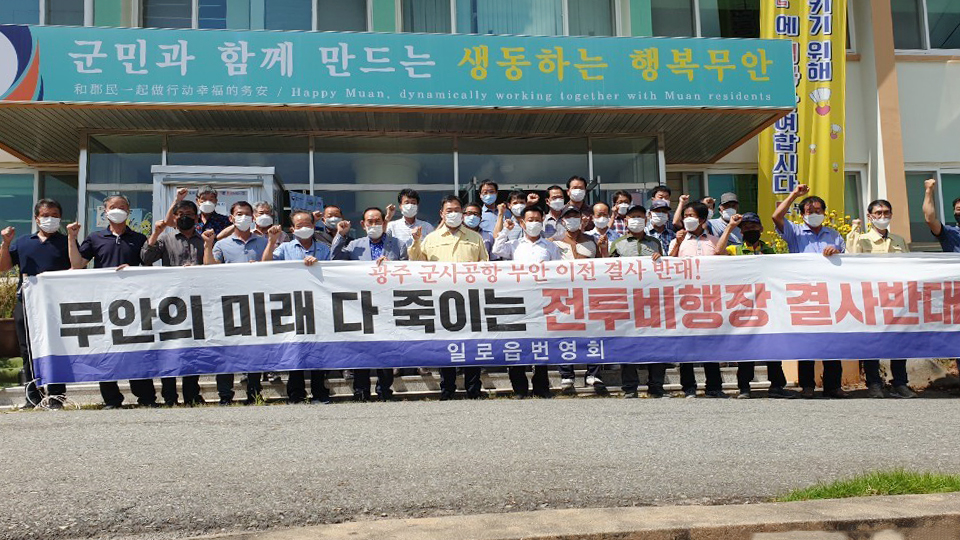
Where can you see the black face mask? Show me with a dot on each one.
(185, 223)
(751, 237)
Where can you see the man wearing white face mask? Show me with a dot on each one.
(117, 246)
(44, 251)
(729, 207)
(208, 218)
(304, 247)
(695, 241)
(529, 248)
(577, 192)
(812, 237)
(378, 246)
(636, 243)
(242, 246)
(263, 220)
(622, 201)
(879, 239)
(556, 200)
(659, 227)
(508, 216)
(451, 242)
(489, 192)
(402, 229)
(602, 222)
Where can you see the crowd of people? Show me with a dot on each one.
(526, 227)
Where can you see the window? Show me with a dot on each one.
(527, 17)
(744, 185)
(940, 30)
(853, 205)
(288, 15)
(943, 19)
(342, 15)
(590, 18)
(730, 18)
(16, 203)
(522, 162)
(168, 13)
(919, 231)
(65, 12)
(19, 12)
(289, 156)
(431, 16)
(672, 18)
(63, 188)
(123, 159)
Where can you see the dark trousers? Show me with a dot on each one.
(361, 383)
(688, 379)
(225, 387)
(143, 389)
(297, 389)
(566, 371)
(832, 374)
(471, 382)
(521, 386)
(630, 379)
(898, 368)
(745, 373)
(33, 393)
(190, 386)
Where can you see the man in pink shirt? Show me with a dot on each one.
(694, 241)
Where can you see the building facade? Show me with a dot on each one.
(903, 66)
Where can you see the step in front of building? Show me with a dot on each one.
(427, 386)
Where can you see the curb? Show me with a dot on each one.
(906, 517)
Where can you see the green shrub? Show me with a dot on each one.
(8, 292)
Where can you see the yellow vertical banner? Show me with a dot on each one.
(806, 146)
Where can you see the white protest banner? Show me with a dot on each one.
(94, 325)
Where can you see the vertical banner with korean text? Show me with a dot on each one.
(806, 146)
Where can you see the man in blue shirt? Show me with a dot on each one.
(659, 226)
(304, 247)
(42, 252)
(489, 191)
(375, 246)
(117, 246)
(242, 246)
(812, 237)
(948, 235)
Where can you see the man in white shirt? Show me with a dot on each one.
(602, 223)
(402, 229)
(530, 248)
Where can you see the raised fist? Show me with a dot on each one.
(8, 234)
(181, 194)
(930, 183)
(417, 233)
(73, 230)
(209, 237)
(343, 227)
(159, 226)
(736, 220)
(801, 189)
(274, 233)
(856, 224)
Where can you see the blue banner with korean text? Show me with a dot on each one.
(164, 66)
(98, 325)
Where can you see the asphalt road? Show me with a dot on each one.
(159, 474)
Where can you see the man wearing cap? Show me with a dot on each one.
(729, 205)
(658, 226)
(752, 229)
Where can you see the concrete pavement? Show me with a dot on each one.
(184, 472)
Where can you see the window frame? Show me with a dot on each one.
(45, 12)
(926, 49)
(616, 24)
(195, 16)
